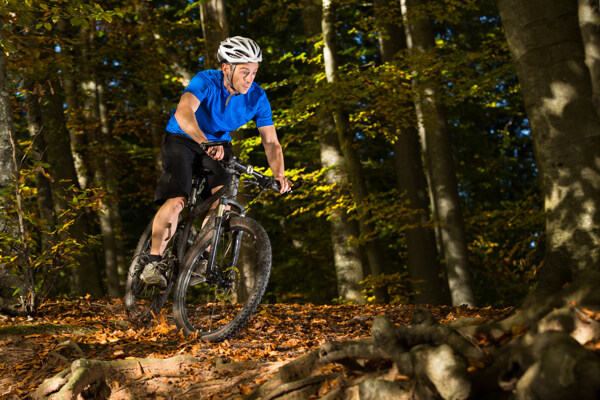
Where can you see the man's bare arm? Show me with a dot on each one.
(274, 155)
(186, 118)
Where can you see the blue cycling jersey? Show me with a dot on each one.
(215, 118)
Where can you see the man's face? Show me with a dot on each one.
(243, 76)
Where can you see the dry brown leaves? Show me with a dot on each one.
(39, 346)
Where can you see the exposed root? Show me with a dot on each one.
(90, 375)
(541, 357)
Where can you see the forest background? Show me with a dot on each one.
(450, 154)
(455, 217)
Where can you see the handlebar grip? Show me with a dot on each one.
(295, 184)
(206, 145)
(275, 185)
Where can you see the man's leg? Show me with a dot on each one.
(165, 224)
(163, 229)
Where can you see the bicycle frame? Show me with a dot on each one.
(226, 197)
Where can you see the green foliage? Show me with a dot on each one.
(49, 249)
(47, 15)
(302, 269)
(389, 213)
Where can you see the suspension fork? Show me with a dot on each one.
(221, 215)
(237, 243)
(212, 258)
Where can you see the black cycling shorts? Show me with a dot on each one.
(181, 158)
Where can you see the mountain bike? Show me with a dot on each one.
(219, 261)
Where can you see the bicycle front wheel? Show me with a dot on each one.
(217, 303)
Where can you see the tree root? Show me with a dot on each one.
(294, 371)
(562, 369)
(427, 350)
(542, 357)
(376, 389)
(12, 307)
(83, 374)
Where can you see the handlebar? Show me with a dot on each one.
(264, 181)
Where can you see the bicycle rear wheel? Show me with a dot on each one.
(143, 302)
(222, 304)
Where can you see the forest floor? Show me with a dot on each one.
(38, 347)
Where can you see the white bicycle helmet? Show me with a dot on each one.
(238, 49)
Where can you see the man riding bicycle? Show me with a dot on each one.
(214, 104)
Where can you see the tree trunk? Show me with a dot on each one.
(546, 43)
(589, 23)
(156, 129)
(348, 265)
(85, 278)
(344, 134)
(422, 259)
(71, 58)
(7, 167)
(74, 97)
(215, 29)
(10, 176)
(110, 216)
(346, 257)
(437, 149)
(77, 140)
(103, 172)
(44, 189)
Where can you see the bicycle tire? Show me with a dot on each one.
(143, 302)
(217, 316)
